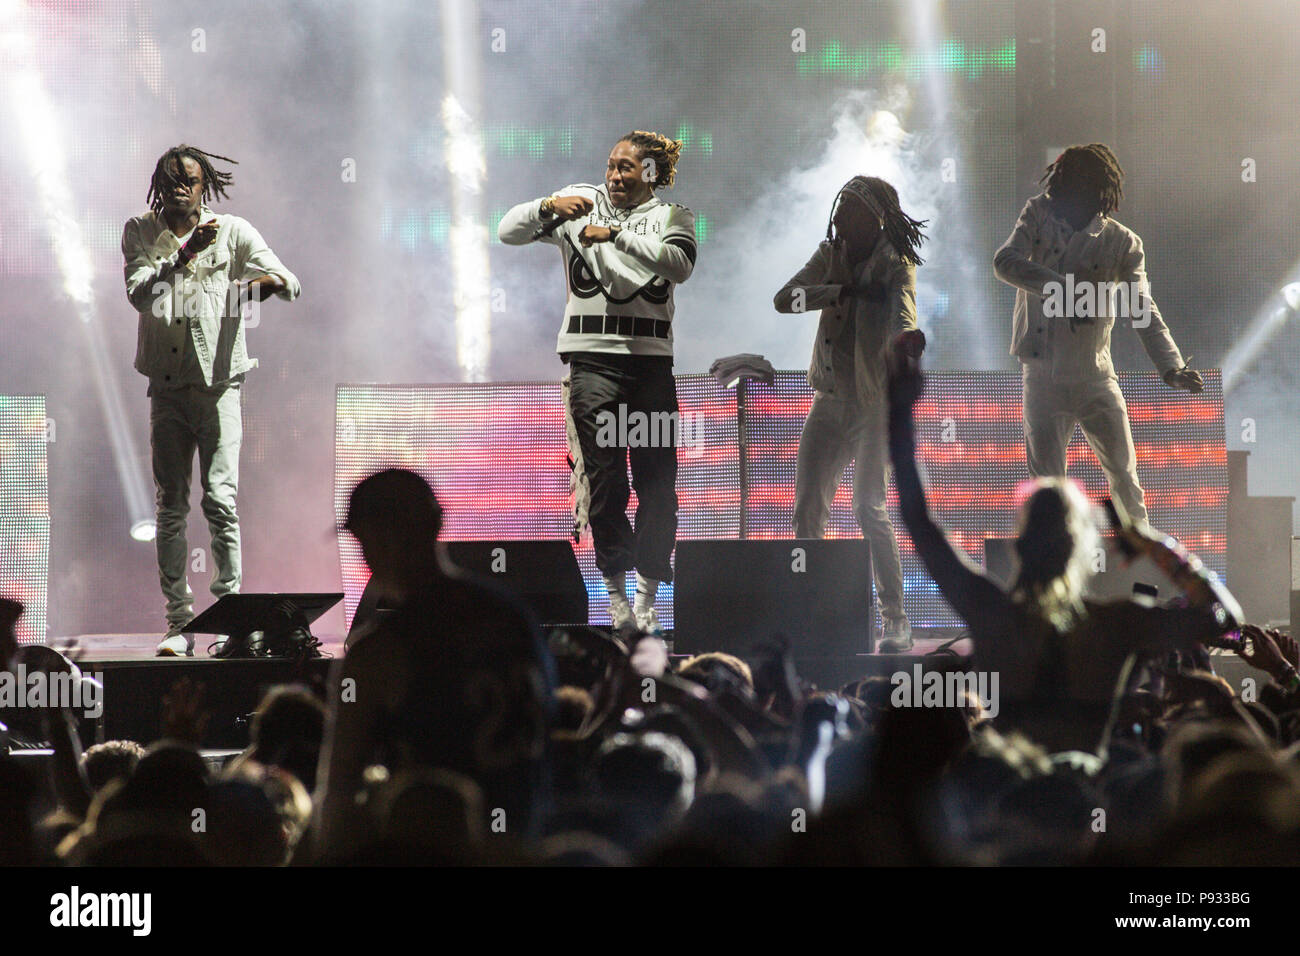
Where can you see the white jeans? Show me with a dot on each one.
(1051, 410)
(836, 433)
(182, 421)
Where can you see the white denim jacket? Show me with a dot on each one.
(194, 301)
(876, 318)
(1041, 250)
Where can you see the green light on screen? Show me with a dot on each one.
(952, 56)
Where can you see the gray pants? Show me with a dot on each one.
(182, 421)
(836, 433)
(1051, 410)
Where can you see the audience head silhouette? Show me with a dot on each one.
(1055, 541)
(395, 516)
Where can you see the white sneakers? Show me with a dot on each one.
(628, 621)
(176, 644)
(647, 622)
(895, 637)
(622, 618)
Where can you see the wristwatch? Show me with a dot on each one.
(547, 207)
(614, 231)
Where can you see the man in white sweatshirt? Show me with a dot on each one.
(1076, 270)
(623, 250)
(863, 279)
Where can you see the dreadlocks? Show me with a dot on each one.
(214, 181)
(1090, 172)
(662, 152)
(903, 231)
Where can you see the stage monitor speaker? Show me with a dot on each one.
(264, 625)
(732, 595)
(543, 574)
(133, 692)
(1113, 580)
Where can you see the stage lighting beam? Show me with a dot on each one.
(42, 140)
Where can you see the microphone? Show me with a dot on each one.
(547, 228)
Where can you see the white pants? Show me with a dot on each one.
(183, 421)
(836, 433)
(1051, 410)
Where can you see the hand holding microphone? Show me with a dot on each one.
(557, 210)
(569, 207)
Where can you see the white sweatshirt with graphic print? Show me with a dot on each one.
(620, 293)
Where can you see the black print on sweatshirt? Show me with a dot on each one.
(584, 285)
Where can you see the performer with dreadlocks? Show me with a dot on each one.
(863, 279)
(624, 249)
(1066, 239)
(189, 272)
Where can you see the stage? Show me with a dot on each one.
(135, 680)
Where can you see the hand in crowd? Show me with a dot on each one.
(1260, 649)
(1287, 645)
(650, 657)
(183, 716)
(905, 379)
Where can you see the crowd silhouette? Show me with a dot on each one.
(454, 732)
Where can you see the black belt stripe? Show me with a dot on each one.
(633, 325)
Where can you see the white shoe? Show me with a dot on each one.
(623, 620)
(177, 645)
(647, 622)
(895, 637)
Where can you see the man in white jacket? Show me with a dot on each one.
(623, 250)
(189, 272)
(863, 279)
(1076, 270)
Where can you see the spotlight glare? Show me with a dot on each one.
(43, 143)
(1266, 324)
(1291, 293)
(467, 169)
